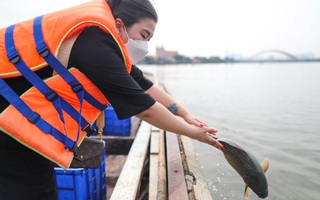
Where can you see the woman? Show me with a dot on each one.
(105, 51)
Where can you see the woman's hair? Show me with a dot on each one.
(132, 11)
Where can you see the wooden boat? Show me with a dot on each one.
(153, 164)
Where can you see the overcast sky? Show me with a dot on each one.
(212, 27)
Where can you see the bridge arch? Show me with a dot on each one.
(292, 57)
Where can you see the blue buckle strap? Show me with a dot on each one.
(57, 66)
(74, 149)
(12, 53)
(62, 71)
(35, 80)
(14, 58)
(29, 74)
(77, 88)
(74, 114)
(89, 130)
(42, 49)
(51, 96)
(32, 116)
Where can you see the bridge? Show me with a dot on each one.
(290, 56)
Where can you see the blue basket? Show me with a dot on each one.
(82, 183)
(114, 126)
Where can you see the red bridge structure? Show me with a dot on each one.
(290, 56)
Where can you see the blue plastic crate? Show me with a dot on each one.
(114, 126)
(82, 183)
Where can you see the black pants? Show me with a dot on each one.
(24, 174)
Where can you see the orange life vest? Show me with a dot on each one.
(37, 120)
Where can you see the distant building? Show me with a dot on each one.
(196, 60)
(164, 56)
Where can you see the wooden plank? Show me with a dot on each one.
(154, 143)
(153, 168)
(162, 168)
(135, 123)
(196, 180)
(177, 188)
(129, 181)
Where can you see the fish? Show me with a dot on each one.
(247, 167)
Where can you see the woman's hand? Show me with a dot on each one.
(202, 134)
(191, 119)
(159, 116)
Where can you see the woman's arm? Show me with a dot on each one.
(159, 116)
(176, 108)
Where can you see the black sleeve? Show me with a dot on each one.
(97, 55)
(139, 77)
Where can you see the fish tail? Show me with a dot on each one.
(247, 192)
(265, 165)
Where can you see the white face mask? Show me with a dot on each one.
(137, 49)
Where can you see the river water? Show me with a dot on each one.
(271, 109)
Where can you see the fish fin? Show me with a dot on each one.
(265, 165)
(247, 192)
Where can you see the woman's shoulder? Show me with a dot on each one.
(94, 33)
(93, 40)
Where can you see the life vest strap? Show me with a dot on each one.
(33, 116)
(58, 102)
(58, 67)
(62, 71)
(35, 80)
(12, 53)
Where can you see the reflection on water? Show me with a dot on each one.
(271, 109)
